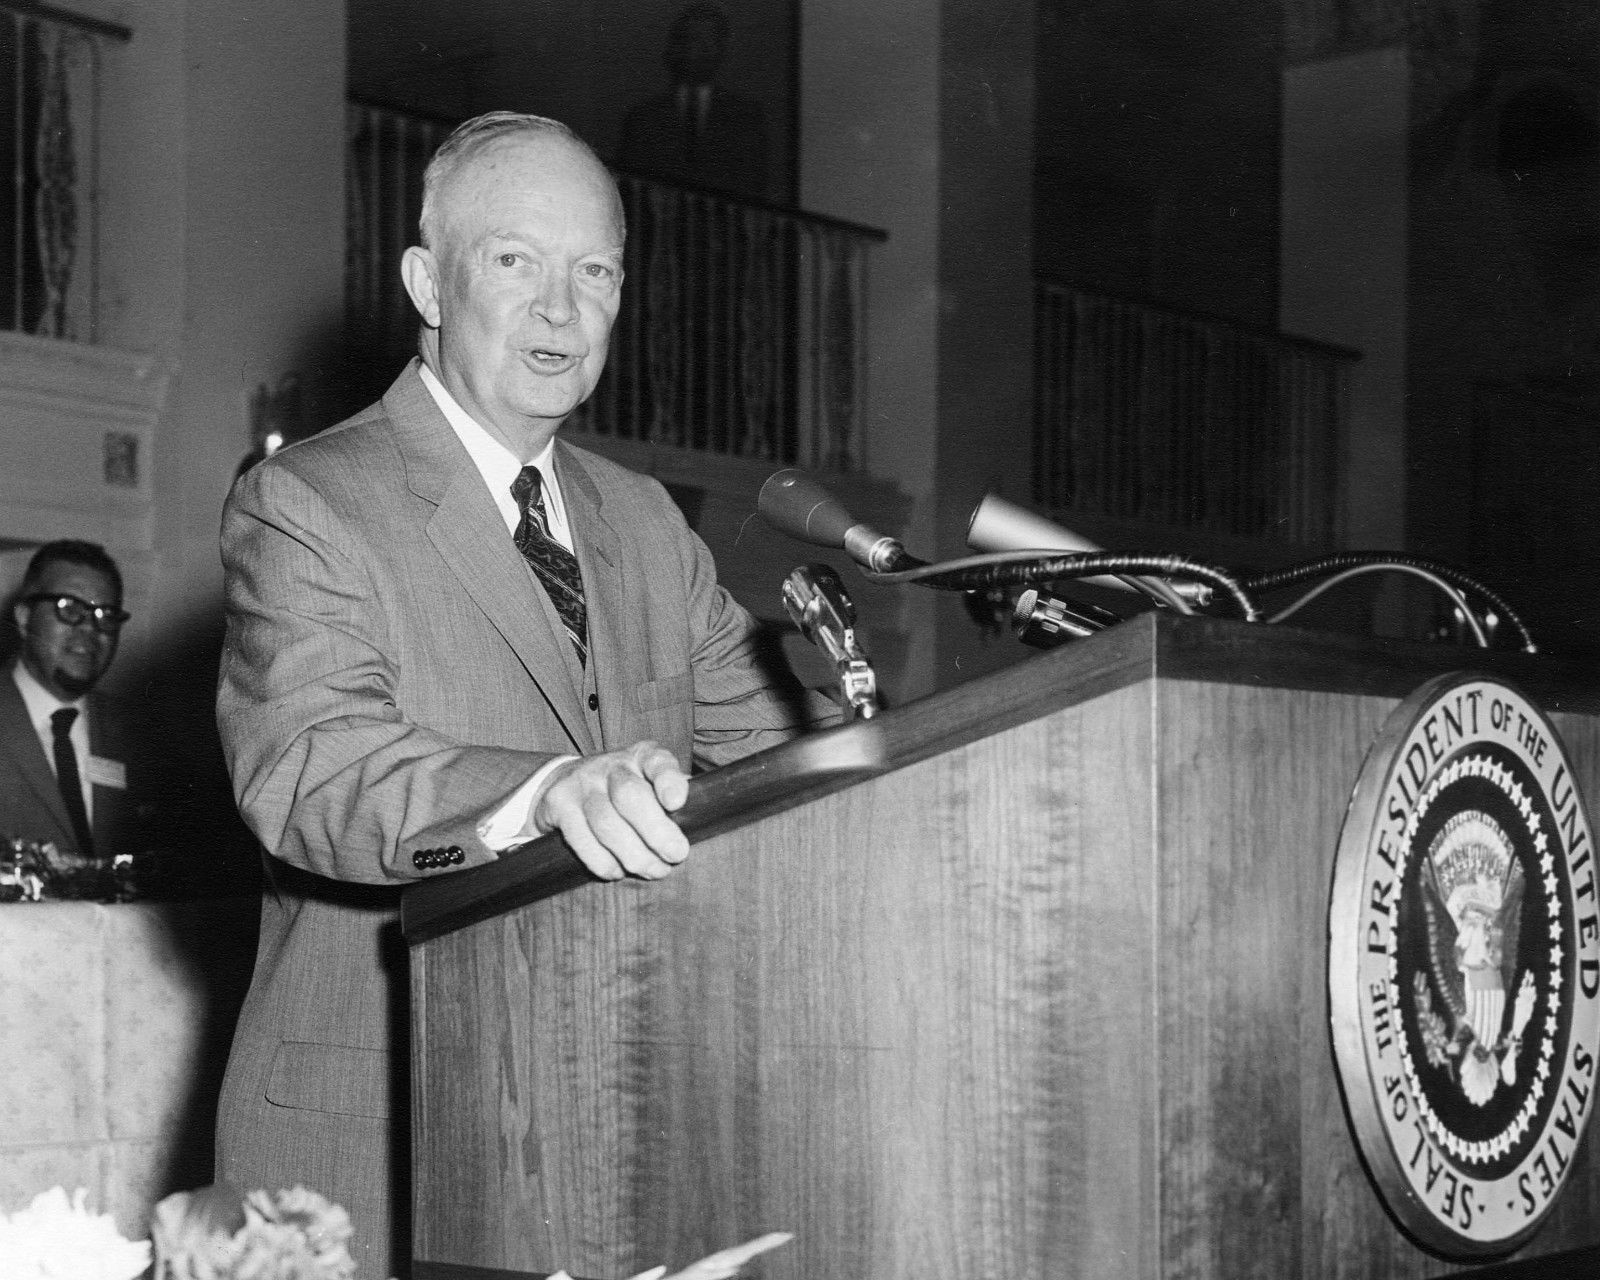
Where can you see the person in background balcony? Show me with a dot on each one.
(63, 772)
(451, 631)
(697, 133)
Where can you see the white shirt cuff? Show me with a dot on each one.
(512, 822)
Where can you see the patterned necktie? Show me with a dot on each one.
(556, 566)
(67, 777)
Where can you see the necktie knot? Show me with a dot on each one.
(61, 721)
(526, 489)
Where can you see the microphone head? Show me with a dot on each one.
(793, 503)
(998, 525)
(815, 597)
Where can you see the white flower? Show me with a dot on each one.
(57, 1239)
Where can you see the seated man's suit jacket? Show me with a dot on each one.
(392, 673)
(31, 807)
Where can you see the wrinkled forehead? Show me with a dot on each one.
(546, 173)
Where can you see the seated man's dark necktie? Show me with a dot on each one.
(556, 566)
(68, 779)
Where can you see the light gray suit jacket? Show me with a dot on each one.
(392, 672)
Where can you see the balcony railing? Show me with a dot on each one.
(385, 154)
(743, 327)
(50, 75)
(1159, 417)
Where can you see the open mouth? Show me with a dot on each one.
(551, 361)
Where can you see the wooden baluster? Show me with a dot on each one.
(663, 335)
(785, 339)
(352, 211)
(56, 200)
(757, 349)
(14, 70)
(396, 300)
(840, 342)
(807, 428)
(629, 378)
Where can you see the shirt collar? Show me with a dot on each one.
(496, 464)
(41, 703)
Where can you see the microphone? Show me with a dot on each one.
(793, 503)
(818, 604)
(998, 525)
(820, 607)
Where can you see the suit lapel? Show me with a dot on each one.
(599, 551)
(469, 535)
(21, 743)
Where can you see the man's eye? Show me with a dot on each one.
(599, 270)
(507, 259)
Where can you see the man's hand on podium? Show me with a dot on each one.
(612, 809)
(717, 1266)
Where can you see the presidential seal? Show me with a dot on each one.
(1464, 966)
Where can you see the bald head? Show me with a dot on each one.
(471, 138)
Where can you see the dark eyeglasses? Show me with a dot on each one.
(73, 611)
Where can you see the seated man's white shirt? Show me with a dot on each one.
(41, 705)
(512, 822)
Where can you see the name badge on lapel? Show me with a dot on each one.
(108, 773)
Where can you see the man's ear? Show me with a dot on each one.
(419, 269)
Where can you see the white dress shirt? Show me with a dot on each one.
(41, 705)
(499, 466)
(512, 822)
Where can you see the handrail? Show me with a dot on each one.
(51, 13)
(1244, 328)
(877, 235)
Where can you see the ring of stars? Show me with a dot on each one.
(1501, 778)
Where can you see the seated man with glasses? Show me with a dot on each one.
(63, 775)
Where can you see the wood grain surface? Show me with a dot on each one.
(1042, 999)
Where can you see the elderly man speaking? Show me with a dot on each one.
(450, 631)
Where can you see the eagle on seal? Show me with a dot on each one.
(1472, 894)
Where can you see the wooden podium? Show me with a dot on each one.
(1039, 994)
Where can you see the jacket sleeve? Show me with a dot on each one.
(327, 771)
(746, 698)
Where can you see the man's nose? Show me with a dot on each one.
(554, 298)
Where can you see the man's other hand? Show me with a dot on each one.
(612, 810)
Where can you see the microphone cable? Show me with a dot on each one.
(796, 504)
(1347, 564)
(1020, 568)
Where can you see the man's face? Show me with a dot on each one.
(524, 284)
(67, 660)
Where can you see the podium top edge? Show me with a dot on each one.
(1152, 646)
